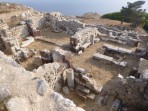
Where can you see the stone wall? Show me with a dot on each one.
(37, 20)
(18, 31)
(59, 23)
(83, 36)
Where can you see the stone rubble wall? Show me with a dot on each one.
(84, 36)
(18, 31)
(59, 23)
(121, 36)
(51, 73)
(37, 21)
(21, 89)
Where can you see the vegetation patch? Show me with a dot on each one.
(132, 13)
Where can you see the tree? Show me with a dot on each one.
(133, 13)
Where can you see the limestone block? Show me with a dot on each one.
(70, 77)
(27, 42)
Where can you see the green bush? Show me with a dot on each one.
(118, 16)
(113, 16)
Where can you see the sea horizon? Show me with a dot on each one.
(75, 7)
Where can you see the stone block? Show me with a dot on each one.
(65, 90)
(70, 77)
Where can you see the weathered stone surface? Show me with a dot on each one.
(60, 55)
(52, 74)
(81, 70)
(116, 105)
(60, 23)
(42, 87)
(20, 88)
(38, 61)
(83, 38)
(70, 77)
(65, 90)
(143, 69)
(94, 86)
(27, 42)
(4, 92)
(117, 49)
(17, 104)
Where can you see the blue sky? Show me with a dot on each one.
(76, 7)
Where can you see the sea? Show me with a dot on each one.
(76, 7)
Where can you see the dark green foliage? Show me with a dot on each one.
(134, 13)
(114, 16)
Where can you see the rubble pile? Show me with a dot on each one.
(58, 23)
(56, 55)
(10, 37)
(9, 44)
(23, 54)
(20, 89)
(51, 72)
(82, 82)
(131, 90)
(121, 36)
(18, 31)
(3, 25)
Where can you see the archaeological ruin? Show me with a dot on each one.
(53, 62)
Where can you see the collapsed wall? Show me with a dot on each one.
(132, 91)
(9, 37)
(121, 36)
(59, 23)
(20, 89)
(84, 37)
